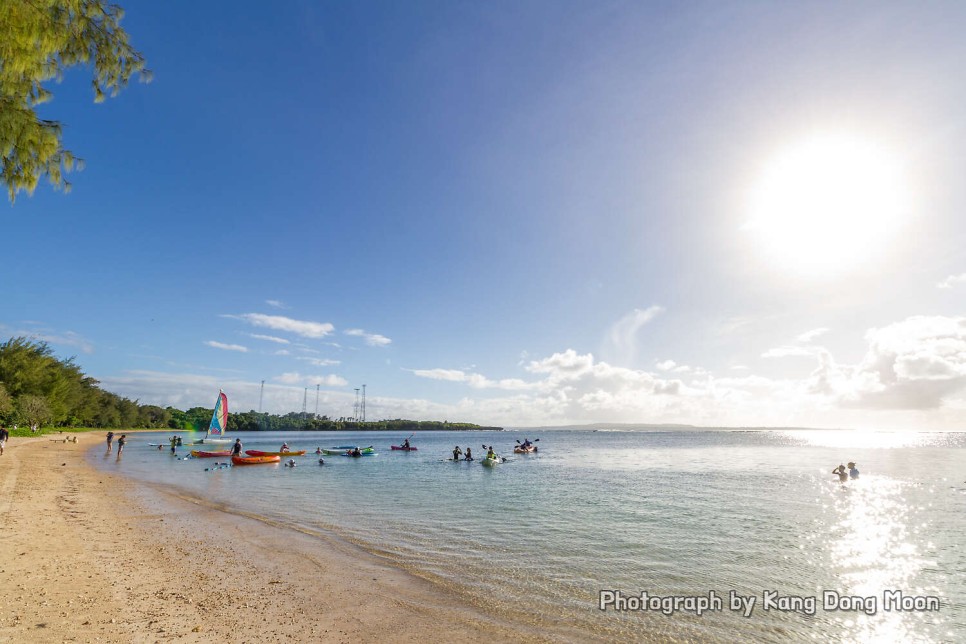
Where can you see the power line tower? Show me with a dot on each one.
(316, 400)
(355, 407)
(260, 396)
(363, 403)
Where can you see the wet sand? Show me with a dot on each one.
(87, 556)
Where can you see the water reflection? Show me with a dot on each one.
(874, 550)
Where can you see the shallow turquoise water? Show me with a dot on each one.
(672, 513)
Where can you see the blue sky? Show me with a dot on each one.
(517, 213)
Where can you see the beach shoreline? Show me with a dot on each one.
(93, 556)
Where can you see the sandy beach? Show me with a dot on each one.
(86, 556)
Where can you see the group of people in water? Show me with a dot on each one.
(467, 455)
(846, 474)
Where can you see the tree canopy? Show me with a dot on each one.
(39, 40)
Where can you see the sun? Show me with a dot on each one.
(828, 204)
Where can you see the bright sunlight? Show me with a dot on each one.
(827, 205)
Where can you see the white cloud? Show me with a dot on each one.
(917, 363)
(622, 339)
(319, 362)
(951, 281)
(808, 336)
(474, 380)
(372, 339)
(276, 304)
(269, 338)
(304, 328)
(790, 350)
(453, 375)
(295, 378)
(227, 347)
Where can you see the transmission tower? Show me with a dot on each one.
(363, 403)
(316, 400)
(355, 407)
(260, 396)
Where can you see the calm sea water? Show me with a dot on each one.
(675, 513)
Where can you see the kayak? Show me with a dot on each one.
(254, 460)
(403, 449)
(339, 451)
(525, 450)
(490, 462)
(200, 454)
(255, 452)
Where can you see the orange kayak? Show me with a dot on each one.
(254, 460)
(255, 452)
(199, 454)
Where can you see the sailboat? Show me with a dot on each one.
(219, 421)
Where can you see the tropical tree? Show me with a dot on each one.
(32, 410)
(6, 402)
(39, 41)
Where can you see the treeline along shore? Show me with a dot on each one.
(39, 390)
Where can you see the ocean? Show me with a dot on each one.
(654, 535)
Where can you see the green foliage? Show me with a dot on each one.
(39, 40)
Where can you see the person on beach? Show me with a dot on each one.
(469, 454)
(842, 472)
(120, 444)
(456, 453)
(236, 448)
(110, 441)
(4, 435)
(853, 473)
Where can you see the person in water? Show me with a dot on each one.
(120, 444)
(174, 444)
(236, 448)
(853, 473)
(318, 450)
(469, 454)
(842, 472)
(110, 440)
(456, 453)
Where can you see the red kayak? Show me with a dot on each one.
(255, 452)
(200, 454)
(254, 460)
(401, 448)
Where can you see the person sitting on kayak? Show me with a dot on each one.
(405, 444)
(469, 454)
(284, 447)
(526, 443)
(356, 452)
(490, 453)
(318, 450)
(456, 453)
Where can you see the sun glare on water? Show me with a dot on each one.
(828, 205)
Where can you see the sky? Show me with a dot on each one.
(516, 213)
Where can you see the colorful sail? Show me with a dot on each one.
(219, 419)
